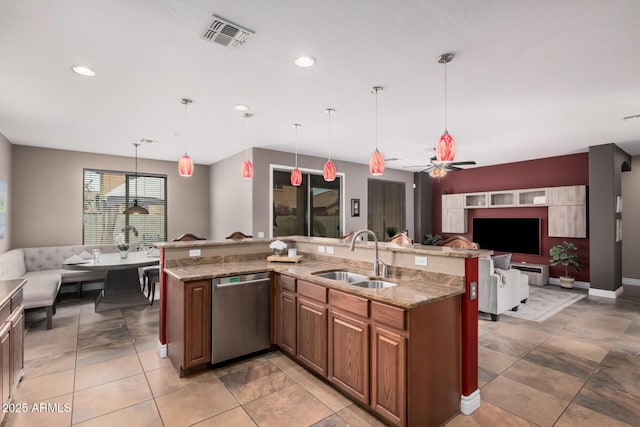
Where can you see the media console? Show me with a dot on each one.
(538, 273)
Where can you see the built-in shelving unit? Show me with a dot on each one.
(567, 207)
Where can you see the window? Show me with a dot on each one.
(106, 194)
(386, 207)
(314, 202)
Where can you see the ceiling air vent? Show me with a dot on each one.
(226, 33)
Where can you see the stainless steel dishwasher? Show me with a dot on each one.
(240, 316)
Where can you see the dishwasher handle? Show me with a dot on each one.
(248, 282)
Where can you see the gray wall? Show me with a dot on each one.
(231, 200)
(355, 187)
(47, 194)
(631, 228)
(606, 163)
(5, 174)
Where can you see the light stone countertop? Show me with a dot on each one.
(410, 292)
(415, 248)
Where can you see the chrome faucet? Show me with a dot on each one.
(376, 263)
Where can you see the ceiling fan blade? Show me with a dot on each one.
(417, 166)
(452, 168)
(470, 162)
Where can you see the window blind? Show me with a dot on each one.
(106, 194)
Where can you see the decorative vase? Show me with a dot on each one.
(124, 254)
(566, 282)
(279, 252)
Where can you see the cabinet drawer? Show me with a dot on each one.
(288, 283)
(350, 303)
(388, 315)
(309, 290)
(5, 311)
(16, 300)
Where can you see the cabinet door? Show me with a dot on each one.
(312, 335)
(568, 221)
(197, 323)
(5, 361)
(349, 355)
(454, 220)
(286, 336)
(388, 375)
(452, 201)
(17, 347)
(568, 195)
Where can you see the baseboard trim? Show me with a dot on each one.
(577, 284)
(630, 282)
(605, 293)
(469, 404)
(162, 350)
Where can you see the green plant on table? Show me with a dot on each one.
(566, 255)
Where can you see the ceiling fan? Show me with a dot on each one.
(436, 168)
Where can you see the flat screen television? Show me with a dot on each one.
(516, 235)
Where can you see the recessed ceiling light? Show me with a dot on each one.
(305, 61)
(83, 71)
(241, 108)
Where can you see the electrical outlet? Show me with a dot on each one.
(421, 260)
(330, 250)
(473, 288)
(194, 252)
(260, 234)
(321, 249)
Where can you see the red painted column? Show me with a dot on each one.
(163, 301)
(469, 309)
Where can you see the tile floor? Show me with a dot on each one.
(581, 367)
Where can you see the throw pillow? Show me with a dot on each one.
(501, 261)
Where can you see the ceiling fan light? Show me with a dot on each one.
(185, 166)
(446, 148)
(329, 171)
(296, 177)
(376, 163)
(246, 170)
(437, 172)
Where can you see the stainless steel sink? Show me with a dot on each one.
(374, 284)
(342, 276)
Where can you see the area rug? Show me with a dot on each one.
(544, 303)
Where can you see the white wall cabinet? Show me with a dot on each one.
(454, 215)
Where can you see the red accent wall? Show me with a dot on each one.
(549, 172)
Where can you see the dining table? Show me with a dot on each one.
(122, 278)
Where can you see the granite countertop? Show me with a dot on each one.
(409, 293)
(8, 288)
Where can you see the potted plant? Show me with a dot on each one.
(122, 245)
(566, 255)
(432, 240)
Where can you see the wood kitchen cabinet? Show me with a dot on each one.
(285, 317)
(454, 214)
(312, 326)
(11, 341)
(5, 361)
(17, 346)
(189, 324)
(567, 211)
(388, 375)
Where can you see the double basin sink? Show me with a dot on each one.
(355, 279)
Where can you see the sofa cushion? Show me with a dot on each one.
(52, 257)
(73, 276)
(41, 289)
(12, 264)
(501, 261)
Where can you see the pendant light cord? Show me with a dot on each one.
(296, 126)
(376, 93)
(445, 96)
(246, 119)
(329, 111)
(136, 175)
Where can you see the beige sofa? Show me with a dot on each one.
(42, 267)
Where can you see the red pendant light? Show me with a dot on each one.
(246, 169)
(446, 148)
(376, 160)
(185, 164)
(329, 169)
(296, 175)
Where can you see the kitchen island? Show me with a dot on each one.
(399, 351)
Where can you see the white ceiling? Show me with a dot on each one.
(530, 79)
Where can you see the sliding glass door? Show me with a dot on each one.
(386, 207)
(311, 209)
